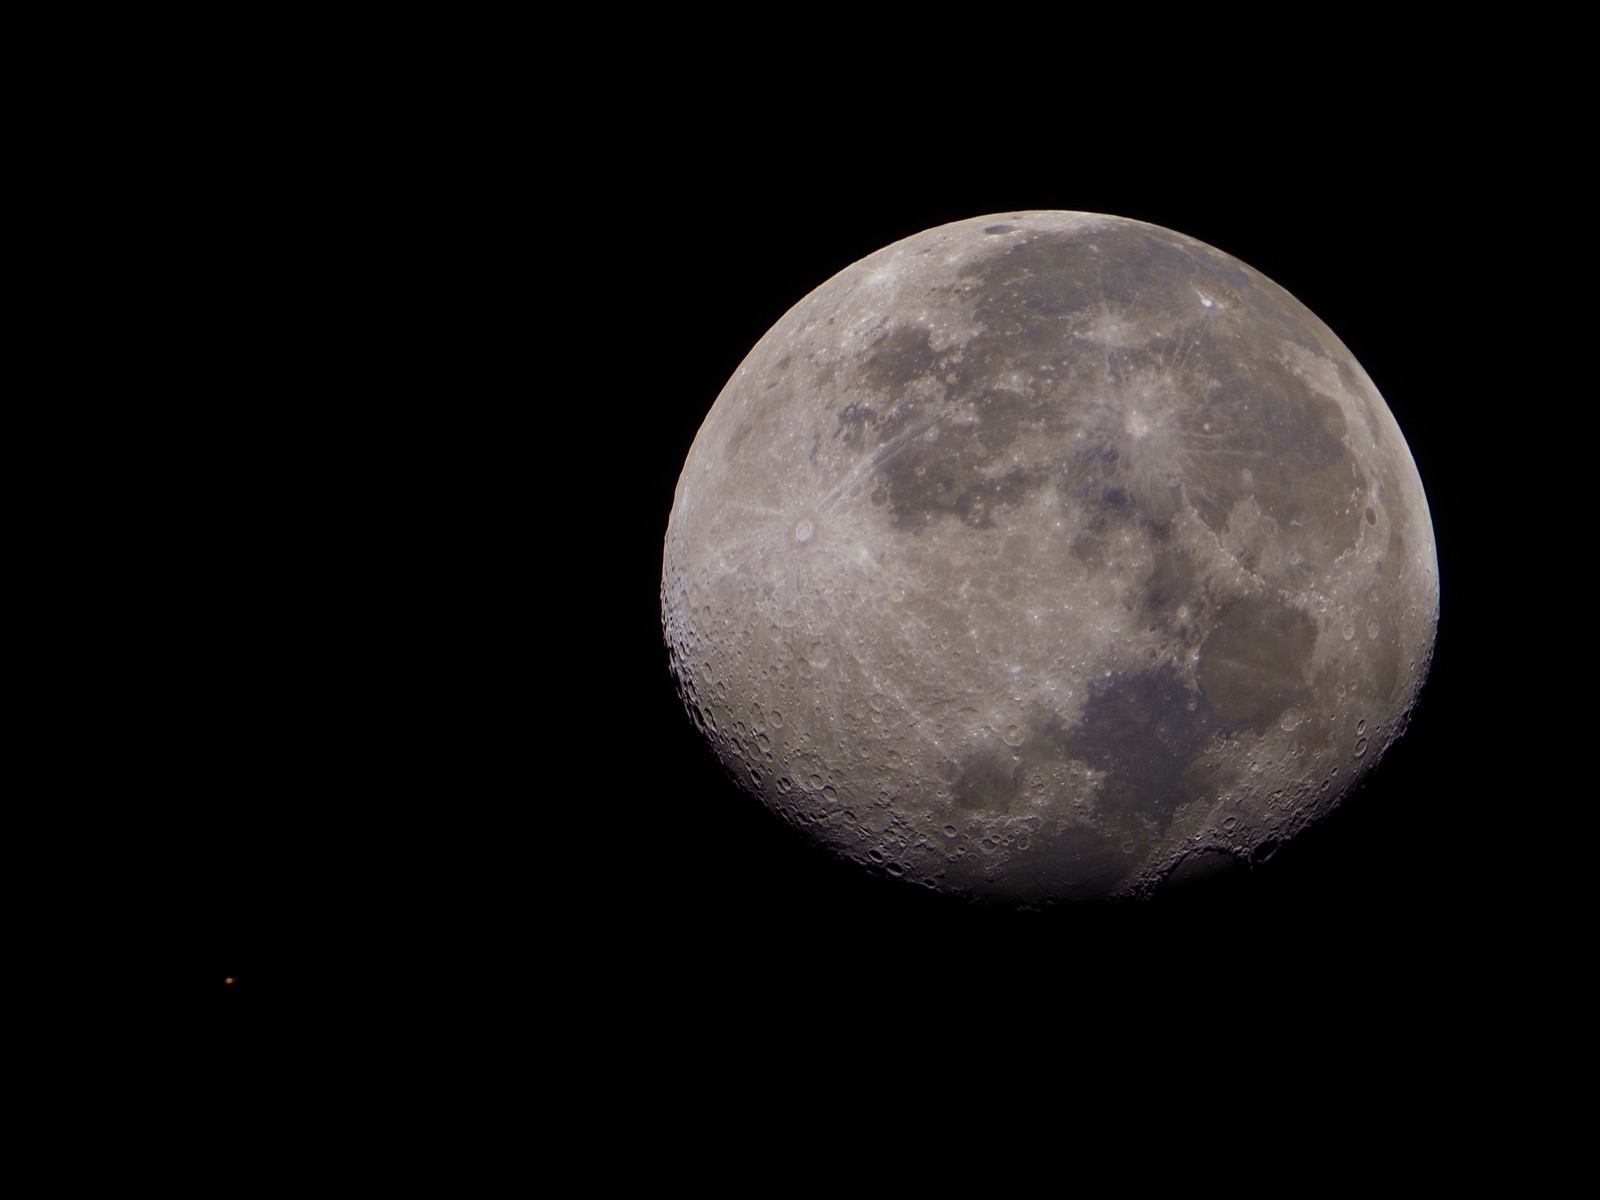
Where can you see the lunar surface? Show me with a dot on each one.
(1049, 556)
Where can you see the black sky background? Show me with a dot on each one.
(443, 776)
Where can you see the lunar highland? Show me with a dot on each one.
(1049, 556)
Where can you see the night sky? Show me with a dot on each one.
(423, 764)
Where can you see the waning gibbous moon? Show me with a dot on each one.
(1049, 556)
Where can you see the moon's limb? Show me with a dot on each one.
(1041, 555)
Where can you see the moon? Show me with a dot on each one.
(1049, 556)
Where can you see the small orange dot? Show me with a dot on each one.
(229, 979)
